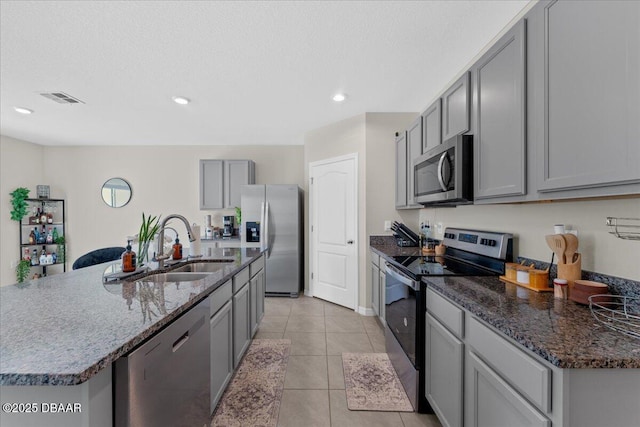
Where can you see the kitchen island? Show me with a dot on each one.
(60, 335)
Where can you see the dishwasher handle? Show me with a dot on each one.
(180, 342)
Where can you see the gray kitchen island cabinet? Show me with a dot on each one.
(499, 114)
(220, 182)
(256, 293)
(456, 107)
(586, 66)
(221, 341)
(241, 315)
(432, 126)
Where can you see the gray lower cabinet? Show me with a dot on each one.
(414, 150)
(456, 107)
(401, 170)
(241, 323)
(220, 182)
(432, 126)
(500, 161)
(257, 301)
(444, 367)
(587, 63)
(375, 289)
(382, 282)
(491, 402)
(221, 348)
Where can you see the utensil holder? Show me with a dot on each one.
(571, 272)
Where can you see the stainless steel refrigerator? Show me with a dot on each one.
(272, 219)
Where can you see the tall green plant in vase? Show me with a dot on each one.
(148, 230)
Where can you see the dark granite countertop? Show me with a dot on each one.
(63, 329)
(562, 332)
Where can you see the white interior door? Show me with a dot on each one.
(334, 217)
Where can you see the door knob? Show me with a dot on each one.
(349, 242)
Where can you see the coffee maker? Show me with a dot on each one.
(227, 222)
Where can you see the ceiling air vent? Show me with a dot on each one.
(61, 98)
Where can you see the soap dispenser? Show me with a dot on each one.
(177, 249)
(128, 259)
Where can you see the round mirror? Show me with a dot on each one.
(116, 192)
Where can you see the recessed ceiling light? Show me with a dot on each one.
(339, 97)
(181, 100)
(23, 110)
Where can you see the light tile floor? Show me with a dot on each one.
(314, 392)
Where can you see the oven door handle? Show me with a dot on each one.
(402, 278)
(440, 177)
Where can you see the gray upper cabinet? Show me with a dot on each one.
(220, 182)
(432, 126)
(401, 169)
(414, 150)
(236, 174)
(211, 184)
(500, 160)
(456, 105)
(590, 99)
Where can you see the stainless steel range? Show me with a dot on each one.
(468, 253)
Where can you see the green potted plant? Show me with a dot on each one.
(22, 270)
(18, 197)
(148, 230)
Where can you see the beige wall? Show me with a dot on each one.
(164, 180)
(371, 137)
(601, 252)
(20, 166)
(337, 139)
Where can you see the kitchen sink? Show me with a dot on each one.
(202, 267)
(175, 276)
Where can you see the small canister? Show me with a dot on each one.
(539, 279)
(560, 288)
(522, 274)
(510, 270)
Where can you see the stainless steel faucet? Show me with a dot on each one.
(160, 257)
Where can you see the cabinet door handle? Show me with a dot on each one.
(349, 242)
(180, 341)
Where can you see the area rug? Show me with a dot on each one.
(254, 394)
(372, 384)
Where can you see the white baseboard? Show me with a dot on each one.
(365, 311)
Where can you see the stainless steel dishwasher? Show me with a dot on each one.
(165, 381)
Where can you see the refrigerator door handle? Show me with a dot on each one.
(267, 237)
(263, 226)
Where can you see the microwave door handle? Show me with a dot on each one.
(440, 164)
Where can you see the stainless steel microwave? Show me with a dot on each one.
(443, 176)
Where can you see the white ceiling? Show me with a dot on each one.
(257, 72)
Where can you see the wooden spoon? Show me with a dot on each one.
(572, 247)
(558, 244)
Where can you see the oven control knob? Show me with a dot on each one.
(483, 241)
(492, 242)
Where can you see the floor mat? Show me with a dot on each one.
(372, 384)
(255, 392)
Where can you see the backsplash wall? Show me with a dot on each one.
(601, 251)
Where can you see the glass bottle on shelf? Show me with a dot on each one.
(43, 217)
(32, 237)
(27, 254)
(36, 234)
(34, 257)
(49, 236)
(55, 235)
